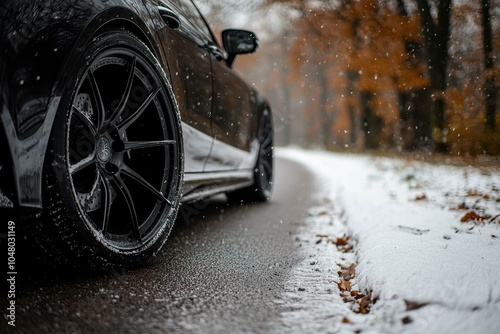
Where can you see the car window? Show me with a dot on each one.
(192, 23)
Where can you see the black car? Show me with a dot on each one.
(113, 112)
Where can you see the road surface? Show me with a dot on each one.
(223, 270)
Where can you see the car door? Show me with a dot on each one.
(232, 116)
(191, 74)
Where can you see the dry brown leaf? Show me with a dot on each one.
(344, 285)
(364, 305)
(347, 273)
(411, 305)
(422, 197)
(407, 320)
(341, 241)
(472, 193)
(345, 320)
(472, 216)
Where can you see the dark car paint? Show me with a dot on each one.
(40, 41)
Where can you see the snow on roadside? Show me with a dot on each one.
(411, 247)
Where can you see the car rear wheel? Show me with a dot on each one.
(261, 189)
(115, 175)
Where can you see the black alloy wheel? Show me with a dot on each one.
(115, 185)
(262, 187)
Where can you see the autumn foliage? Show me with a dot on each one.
(358, 74)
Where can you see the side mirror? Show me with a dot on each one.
(237, 42)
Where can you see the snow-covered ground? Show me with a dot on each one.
(425, 243)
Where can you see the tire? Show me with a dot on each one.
(262, 187)
(115, 165)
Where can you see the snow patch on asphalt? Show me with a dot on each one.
(312, 303)
(411, 246)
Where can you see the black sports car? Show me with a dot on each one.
(113, 112)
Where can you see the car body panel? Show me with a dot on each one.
(40, 41)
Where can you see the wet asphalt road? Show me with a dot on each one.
(222, 270)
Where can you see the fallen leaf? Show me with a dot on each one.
(347, 273)
(472, 193)
(407, 320)
(364, 305)
(472, 216)
(344, 285)
(422, 197)
(346, 320)
(341, 241)
(411, 305)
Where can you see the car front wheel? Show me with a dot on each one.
(114, 173)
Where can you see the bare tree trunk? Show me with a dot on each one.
(414, 119)
(371, 123)
(488, 64)
(352, 77)
(437, 36)
(326, 113)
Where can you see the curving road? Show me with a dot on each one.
(222, 270)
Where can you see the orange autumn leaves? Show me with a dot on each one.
(361, 301)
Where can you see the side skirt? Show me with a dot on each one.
(198, 186)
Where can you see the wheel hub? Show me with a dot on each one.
(103, 149)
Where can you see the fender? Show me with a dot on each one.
(32, 94)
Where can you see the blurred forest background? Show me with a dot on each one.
(393, 75)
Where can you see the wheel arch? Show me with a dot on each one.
(28, 182)
(262, 104)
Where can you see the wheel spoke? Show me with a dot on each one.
(267, 150)
(122, 188)
(117, 113)
(86, 122)
(130, 120)
(134, 145)
(107, 202)
(82, 164)
(268, 169)
(139, 179)
(268, 140)
(101, 112)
